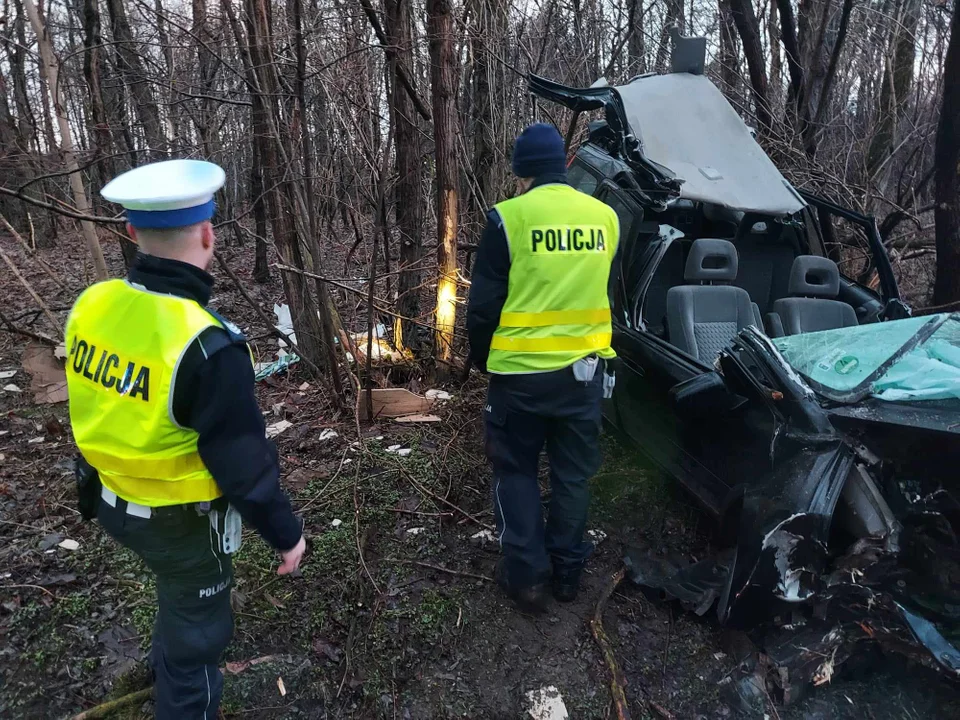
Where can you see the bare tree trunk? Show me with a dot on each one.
(729, 49)
(50, 72)
(443, 77)
(947, 176)
(136, 80)
(897, 80)
(100, 130)
(409, 187)
(258, 125)
(636, 47)
(749, 29)
(791, 45)
(207, 66)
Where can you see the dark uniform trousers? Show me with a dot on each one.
(194, 620)
(524, 414)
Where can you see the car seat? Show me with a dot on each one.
(814, 285)
(703, 318)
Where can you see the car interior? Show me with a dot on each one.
(731, 270)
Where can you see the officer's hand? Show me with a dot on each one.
(292, 558)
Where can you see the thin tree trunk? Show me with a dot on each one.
(636, 48)
(947, 177)
(749, 29)
(50, 72)
(135, 78)
(409, 186)
(729, 49)
(100, 130)
(443, 79)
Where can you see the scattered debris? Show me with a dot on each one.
(416, 531)
(49, 379)
(397, 402)
(336, 522)
(437, 395)
(35, 441)
(7, 374)
(238, 667)
(281, 687)
(546, 704)
(278, 427)
(417, 419)
(69, 544)
(12, 388)
(393, 448)
(596, 536)
(327, 434)
(483, 537)
(327, 649)
(281, 365)
(304, 387)
(403, 452)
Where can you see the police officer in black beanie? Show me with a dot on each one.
(539, 322)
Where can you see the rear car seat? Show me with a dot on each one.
(815, 284)
(702, 319)
(766, 251)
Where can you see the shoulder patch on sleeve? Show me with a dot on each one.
(236, 335)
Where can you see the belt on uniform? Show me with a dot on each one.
(131, 508)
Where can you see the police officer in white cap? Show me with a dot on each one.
(171, 437)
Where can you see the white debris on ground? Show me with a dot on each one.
(483, 537)
(278, 427)
(546, 704)
(327, 434)
(336, 522)
(69, 544)
(7, 374)
(416, 531)
(11, 388)
(596, 536)
(437, 395)
(393, 448)
(284, 323)
(404, 452)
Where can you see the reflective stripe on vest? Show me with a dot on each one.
(124, 345)
(562, 243)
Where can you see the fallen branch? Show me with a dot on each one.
(68, 212)
(111, 706)
(33, 293)
(10, 327)
(31, 251)
(596, 629)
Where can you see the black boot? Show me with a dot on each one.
(531, 599)
(566, 584)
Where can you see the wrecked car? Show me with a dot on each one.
(811, 416)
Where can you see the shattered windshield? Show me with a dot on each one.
(900, 360)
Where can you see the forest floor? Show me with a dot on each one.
(394, 615)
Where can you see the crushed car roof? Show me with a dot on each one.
(685, 124)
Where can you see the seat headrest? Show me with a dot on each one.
(711, 259)
(813, 276)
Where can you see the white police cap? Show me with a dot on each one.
(168, 194)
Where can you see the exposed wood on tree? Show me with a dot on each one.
(445, 132)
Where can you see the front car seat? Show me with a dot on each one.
(702, 318)
(814, 285)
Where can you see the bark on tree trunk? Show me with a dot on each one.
(947, 177)
(280, 195)
(100, 123)
(749, 30)
(636, 47)
(443, 75)
(50, 72)
(131, 68)
(729, 49)
(409, 186)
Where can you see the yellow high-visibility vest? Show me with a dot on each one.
(562, 243)
(124, 345)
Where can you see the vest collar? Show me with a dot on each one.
(171, 277)
(549, 179)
